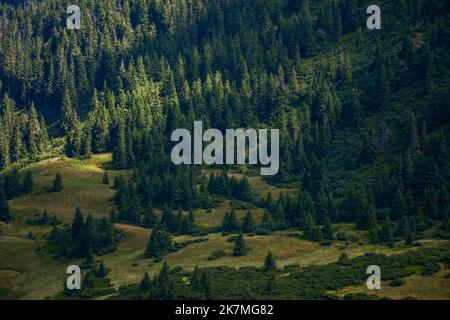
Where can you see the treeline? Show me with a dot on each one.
(83, 238)
(176, 188)
(23, 133)
(137, 70)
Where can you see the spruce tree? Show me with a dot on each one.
(239, 246)
(105, 179)
(317, 234)
(245, 194)
(89, 261)
(150, 219)
(445, 226)
(248, 224)
(164, 286)
(57, 183)
(271, 283)
(77, 224)
(269, 263)
(27, 185)
(195, 280)
(328, 230)
(12, 185)
(160, 242)
(409, 239)
(101, 271)
(386, 233)
(146, 283)
(4, 207)
(403, 227)
(205, 286)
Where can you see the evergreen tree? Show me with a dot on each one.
(248, 224)
(4, 207)
(206, 286)
(230, 223)
(328, 230)
(271, 283)
(409, 239)
(269, 263)
(12, 185)
(160, 242)
(57, 183)
(195, 280)
(150, 219)
(239, 246)
(146, 283)
(386, 234)
(164, 285)
(317, 234)
(27, 185)
(89, 261)
(77, 224)
(444, 226)
(105, 178)
(403, 227)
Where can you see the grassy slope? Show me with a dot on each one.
(434, 287)
(27, 272)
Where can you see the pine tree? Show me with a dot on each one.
(89, 261)
(57, 183)
(146, 283)
(308, 227)
(195, 280)
(77, 224)
(205, 286)
(445, 222)
(245, 194)
(164, 286)
(271, 283)
(105, 178)
(248, 224)
(386, 233)
(4, 207)
(150, 219)
(230, 223)
(160, 242)
(317, 234)
(12, 185)
(328, 230)
(409, 239)
(239, 246)
(403, 228)
(372, 223)
(101, 271)
(54, 237)
(27, 185)
(269, 263)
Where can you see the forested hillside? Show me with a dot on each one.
(363, 115)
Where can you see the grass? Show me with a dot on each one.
(82, 186)
(28, 271)
(434, 287)
(213, 218)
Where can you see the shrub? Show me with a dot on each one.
(430, 268)
(217, 254)
(397, 282)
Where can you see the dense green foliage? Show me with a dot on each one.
(83, 237)
(363, 116)
(292, 282)
(143, 68)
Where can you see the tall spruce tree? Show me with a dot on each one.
(4, 207)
